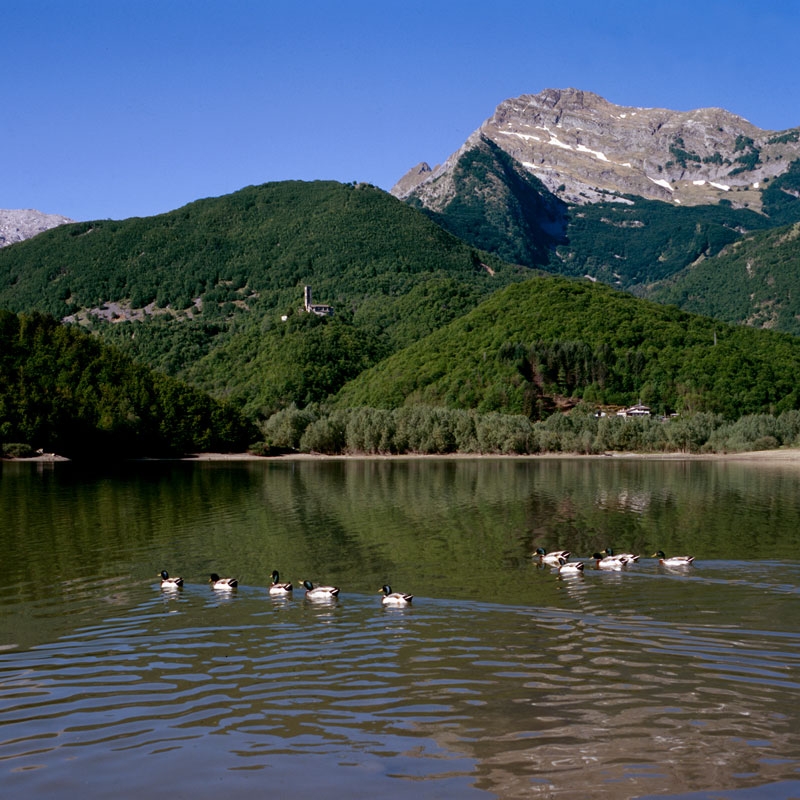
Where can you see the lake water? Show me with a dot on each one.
(502, 680)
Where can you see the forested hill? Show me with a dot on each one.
(198, 293)
(253, 249)
(533, 342)
(420, 317)
(754, 281)
(63, 391)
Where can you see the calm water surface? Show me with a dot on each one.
(503, 680)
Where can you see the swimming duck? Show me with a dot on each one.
(608, 562)
(397, 599)
(673, 561)
(570, 567)
(630, 557)
(222, 584)
(553, 559)
(170, 583)
(277, 587)
(320, 592)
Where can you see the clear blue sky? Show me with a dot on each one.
(118, 108)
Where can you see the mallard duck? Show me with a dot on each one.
(570, 567)
(170, 583)
(608, 562)
(222, 584)
(391, 598)
(276, 587)
(629, 557)
(673, 561)
(320, 592)
(553, 559)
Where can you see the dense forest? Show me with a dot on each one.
(532, 342)
(754, 281)
(627, 241)
(63, 391)
(429, 334)
(252, 250)
(199, 293)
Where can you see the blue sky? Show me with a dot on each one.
(119, 108)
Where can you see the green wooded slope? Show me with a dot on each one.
(552, 336)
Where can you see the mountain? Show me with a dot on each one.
(19, 224)
(575, 185)
(199, 292)
(585, 149)
(496, 204)
(439, 298)
(551, 340)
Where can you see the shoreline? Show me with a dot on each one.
(789, 455)
(778, 456)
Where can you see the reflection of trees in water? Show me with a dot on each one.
(442, 525)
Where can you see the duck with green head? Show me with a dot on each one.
(170, 583)
(278, 588)
(553, 558)
(673, 561)
(323, 593)
(222, 584)
(395, 599)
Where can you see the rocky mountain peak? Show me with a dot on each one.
(19, 224)
(586, 149)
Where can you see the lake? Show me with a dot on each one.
(503, 679)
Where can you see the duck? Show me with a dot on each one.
(630, 557)
(608, 562)
(553, 558)
(673, 561)
(276, 587)
(222, 584)
(170, 583)
(396, 599)
(570, 567)
(320, 592)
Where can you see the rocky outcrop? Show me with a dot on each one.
(586, 149)
(19, 224)
(412, 179)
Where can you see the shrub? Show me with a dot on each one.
(370, 430)
(325, 435)
(284, 429)
(17, 450)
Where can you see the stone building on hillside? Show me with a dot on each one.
(321, 310)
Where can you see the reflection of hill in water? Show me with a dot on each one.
(453, 526)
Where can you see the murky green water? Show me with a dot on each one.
(503, 680)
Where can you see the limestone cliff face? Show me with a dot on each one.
(19, 224)
(585, 149)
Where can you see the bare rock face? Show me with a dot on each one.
(19, 224)
(585, 149)
(412, 179)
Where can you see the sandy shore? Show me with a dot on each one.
(788, 456)
(780, 456)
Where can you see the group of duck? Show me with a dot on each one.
(607, 560)
(559, 559)
(280, 588)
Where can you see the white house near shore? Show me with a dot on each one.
(634, 411)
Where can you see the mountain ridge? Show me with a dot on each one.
(18, 224)
(586, 149)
